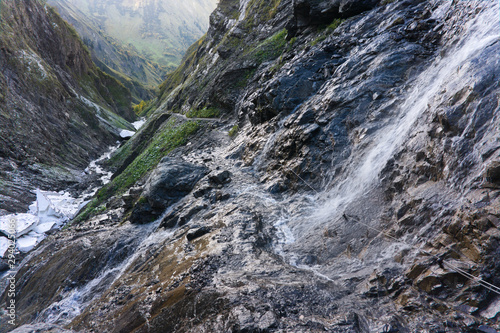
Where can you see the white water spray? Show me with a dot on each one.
(444, 74)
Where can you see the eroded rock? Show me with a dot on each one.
(169, 182)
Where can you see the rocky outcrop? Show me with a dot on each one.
(169, 182)
(357, 191)
(57, 110)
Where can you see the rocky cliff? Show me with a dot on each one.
(311, 166)
(57, 109)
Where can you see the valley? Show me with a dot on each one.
(310, 166)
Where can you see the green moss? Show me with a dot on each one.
(259, 11)
(189, 61)
(170, 137)
(327, 30)
(203, 113)
(274, 9)
(249, 73)
(335, 24)
(121, 155)
(271, 48)
(87, 212)
(277, 66)
(141, 201)
(233, 131)
(318, 40)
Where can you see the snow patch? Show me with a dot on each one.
(49, 212)
(138, 124)
(26, 244)
(126, 134)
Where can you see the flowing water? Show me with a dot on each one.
(298, 220)
(446, 75)
(76, 300)
(310, 213)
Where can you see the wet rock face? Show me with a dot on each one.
(365, 168)
(169, 182)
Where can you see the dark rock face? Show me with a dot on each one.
(493, 173)
(3, 266)
(220, 179)
(317, 12)
(197, 233)
(169, 182)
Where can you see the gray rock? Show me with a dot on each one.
(319, 12)
(3, 266)
(222, 178)
(197, 233)
(169, 182)
(39, 328)
(172, 180)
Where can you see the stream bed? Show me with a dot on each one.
(50, 212)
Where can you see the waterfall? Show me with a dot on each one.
(75, 301)
(447, 74)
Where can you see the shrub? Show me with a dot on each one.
(203, 113)
(271, 48)
(233, 131)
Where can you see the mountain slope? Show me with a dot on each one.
(159, 30)
(311, 166)
(123, 62)
(57, 109)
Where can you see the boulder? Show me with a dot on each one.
(197, 233)
(170, 181)
(220, 179)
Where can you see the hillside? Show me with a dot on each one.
(141, 39)
(311, 166)
(138, 74)
(57, 109)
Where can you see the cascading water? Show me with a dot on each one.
(446, 75)
(215, 272)
(76, 300)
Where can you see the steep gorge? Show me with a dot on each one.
(137, 42)
(57, 109)
(311, 166)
